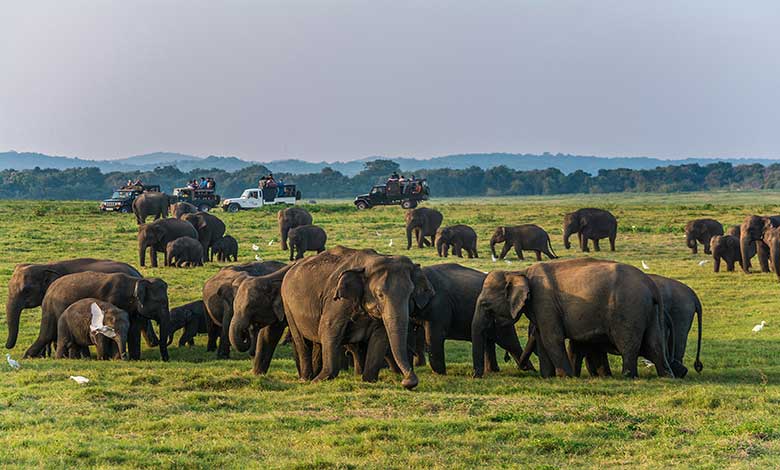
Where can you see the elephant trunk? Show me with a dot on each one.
(165, 326)
(396, 320)
(744, 246)
(478, 326)
(142, 253)
(493, 246)
(716, 260)
(566, 234)
(13, 310)
(121, 343)
(239, 332)
(690, 240)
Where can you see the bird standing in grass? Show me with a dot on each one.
(759, 327)
(12, 363)
(645, 266)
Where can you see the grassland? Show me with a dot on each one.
(195, 411)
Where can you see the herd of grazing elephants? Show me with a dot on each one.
(358, 308)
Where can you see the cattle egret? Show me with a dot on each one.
(96, 324)
(759, 327)
(12, 363)
(647, 363)
(703, 262)
(391, 242)
(645, 266)
(79, 379)
(258, 258)
(255, 247)
(270, 242)
(378, 234)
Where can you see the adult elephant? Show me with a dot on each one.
(181, 208)
(590, 224)
(450, 313)
(459, 237)
(158, 234)
(210, 229)
(150, 204)
(346, 296)
(701, 231)
(219, 294)
(257, 306)
(142, 298)
(752, 230)
(527, 237)
(422, 222)
(290, 218)
(29, 283)
(585, 300)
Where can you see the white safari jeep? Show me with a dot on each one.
(253, 197)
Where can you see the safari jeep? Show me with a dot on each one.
(407, 195)
(253, 198)
(122, 199)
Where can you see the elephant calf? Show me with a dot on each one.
(702, 231)
(191, 317)
(306, 238)
(225, 248)
(150, 204)
(458, 237)
(523, 237)
(590, 224)
(290, 218)
(181, 208)
(726, 248)
(184, 251)
(76, 330)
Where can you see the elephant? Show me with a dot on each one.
(29, 283)
(752, 230)
(585, 300)
(590, 224)
(209, 227)
(190, 317)
(450, 312)
(257, 306)
(458, 237)
(142, 298)
(74, 335)
(158, 234)
(422, 222)
(184, 251)
(150, 204)
(701, 230)
(218, 295)
(347, 296)
(290, 218)
(522, 237)
(726, 248)
(305, 238)
(181, 208)
(225, 248)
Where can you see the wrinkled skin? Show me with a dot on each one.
(422, 222)
(29, 283)
(257, 306)
(585, 300)
(701, 231)
(74, 336)
(210, 229)
(528, 237)
(184, 251)
(150, 204)
(590, 224)
(143, 299)
(192, 318)
(306, 238)
(181, 208)
(225, 248)
(752, 230)
(450, 313)
(459, 237)
(340, 296)
(290, 218)
(218, 296)
(158, 234)
(727, 248)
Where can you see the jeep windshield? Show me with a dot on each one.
(121, 194)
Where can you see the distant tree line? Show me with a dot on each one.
(91, 184)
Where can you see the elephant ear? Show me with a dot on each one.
(502, 232)
(350, 285)
(139, 293)
(49, 276)
(518, 292)
(423, 290)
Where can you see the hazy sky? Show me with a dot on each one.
(338, 80)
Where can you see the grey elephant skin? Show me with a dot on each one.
(701, 231)
(755, 229)
(219, 294)
(225, 248)
(210, 229)
(150, 204)
(306, 238)
(421, 223)
(727, 248)
(450, 313)
(585, 300)
(142, 298)
(181, 208)
(184, 251)
(290, 218)
(347, 296)
(156, 235)
(29, 283)
(527, 237)
(74, 336)
(190, 317)
(459, 238)
(590, 224)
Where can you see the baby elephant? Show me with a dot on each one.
(92, 321)
(458, 237)
(306, 238)
(192, 318)
(726, 248)
(184, 251)
(522, 237)
(225, 248)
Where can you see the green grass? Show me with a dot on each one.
(196, 411)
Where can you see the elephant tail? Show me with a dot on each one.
(697, 364)
(549, 246)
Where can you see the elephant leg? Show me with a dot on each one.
(597, 363)
(47, 334)
(457, 249)
(491, 361)
(434, 336)
(575, 358)
(330, 337)
(553, 342)
(654, 349)
(612, 242)
(267, 340)
(375, 354)
(694, 247)
(316, 358)
(583, 243)
(730, 266)
(74, 351)
(213, 334)
(706, 244)
(223, 351)
(100, 349)
(762, 252)
(134, 338)
(474, 251)
(150, 336)
(546, 367)
(303, 351)
(596, 246)
(505, 250)
(358, 352)
(153, 256)
(284, 238)
(419, 346)
(538, 255)
(508, 340)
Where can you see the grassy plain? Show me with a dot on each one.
(196, 411)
